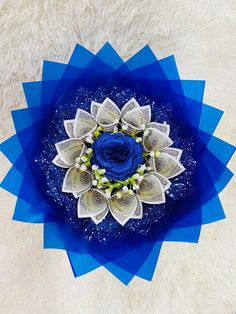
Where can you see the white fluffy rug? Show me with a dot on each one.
(189, 278)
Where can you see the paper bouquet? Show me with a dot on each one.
(114, 158)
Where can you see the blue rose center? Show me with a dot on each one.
(119, 154)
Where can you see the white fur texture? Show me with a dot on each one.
(190, 279)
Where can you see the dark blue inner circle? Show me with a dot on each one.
(120, 155)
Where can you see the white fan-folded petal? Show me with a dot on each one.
(163, 127)
(138, 118)
(154, 140)
(76, 181)
(108, 115)
(84, 124)
(70, 149)
(167, 166)
(151, 190)
(69, 127)
(122, 208)
(91, 204)
(130, 105)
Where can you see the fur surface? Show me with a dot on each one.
(190, 279)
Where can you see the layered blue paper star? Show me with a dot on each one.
(158, 80)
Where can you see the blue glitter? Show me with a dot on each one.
(181, 187)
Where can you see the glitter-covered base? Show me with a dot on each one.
(152, 214)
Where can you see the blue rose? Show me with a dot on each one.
(119, 154)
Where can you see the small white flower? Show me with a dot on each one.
(143, 126)
(77, 159)
(124, 127)
(135, 176)
(143, 167)
(102, 171)
(83, 168)
(89, 150)
(94, 167)
(140, 178)
(89, 139)
(152, 154)
(125, 189)
(135, 187)
(139, 139)
(84, 159)
(104, 180)
(131, 192)
(118, 195)
(95, 182)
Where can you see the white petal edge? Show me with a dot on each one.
(66, 190)
(84, 215)
(67, 159)
(69, 127)
(94, 108)
(166, 183)
(161, 190)
(130, 215)
(178, 152)
(125, 108)
(77, 120)
(160, 127)
(134, 111)
(138, 213)
(107, 99)
(169, 142)
(174, 161)
(99, 218)
(59, 162)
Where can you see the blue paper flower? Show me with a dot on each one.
(192, 199)
(119, 154)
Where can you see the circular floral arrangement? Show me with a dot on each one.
(99, 163)
(114, 158)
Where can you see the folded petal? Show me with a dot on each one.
(174, 152)
(69, 149)
(167, 166)
(164, 181)
(77, 181)
(138, 118)
(163, 127)
(138, 213)
(59, 162)
(93, 203)
(84, 124)
(130, 105)
(99, 217)
(108, 115)
(151, 190)
(154, 140)
(122, 208)
(94, 108)
(69, 127)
